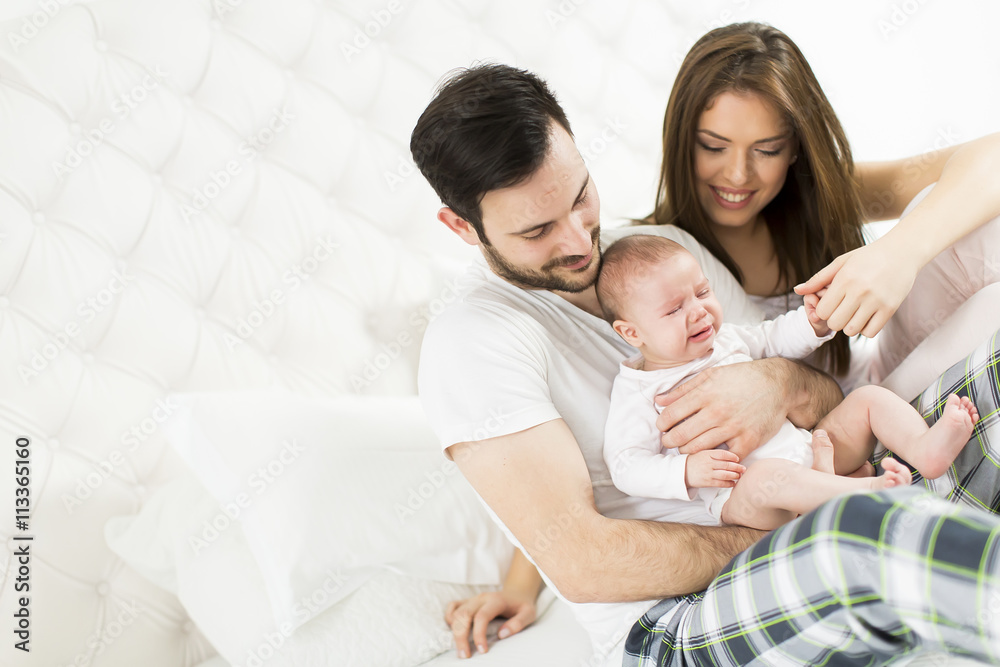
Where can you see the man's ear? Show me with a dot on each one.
(628, 332)
(459, 225)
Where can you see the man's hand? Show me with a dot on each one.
(713, 467)
(743, 405)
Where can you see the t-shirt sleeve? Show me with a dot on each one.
(482, 375)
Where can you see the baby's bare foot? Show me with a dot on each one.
(896, 474)
(822, 452)
(938, 447)
(966, 404)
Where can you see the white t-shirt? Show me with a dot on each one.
(502, 359)
(641, 467)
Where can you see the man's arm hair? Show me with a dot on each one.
(689, 559)
(537, 483)
(812, 393)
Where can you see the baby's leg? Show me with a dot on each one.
(774, 491)
(874, 412)
(849, 427)
(823, 457)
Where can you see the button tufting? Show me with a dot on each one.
(88, 358)
(101, 45)
(4, 302)
(140, 490)
(103, 588)
(38, 217)
(200, 312)
(214, 24)
(188, 101)
(121, 264)
(272, 359)
(234, 231)
(53, 444)
(75, 128)
(157, 179)
(289, 73)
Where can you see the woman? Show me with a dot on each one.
(758, 169)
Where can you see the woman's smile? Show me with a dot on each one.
(732, 199)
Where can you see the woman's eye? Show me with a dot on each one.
(769, 153)
(711, 149)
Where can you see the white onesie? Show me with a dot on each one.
(641, 467)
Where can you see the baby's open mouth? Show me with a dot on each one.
(703, 334)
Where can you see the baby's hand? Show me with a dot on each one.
(818, 325)
(712, 467)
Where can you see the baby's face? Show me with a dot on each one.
(674, 312)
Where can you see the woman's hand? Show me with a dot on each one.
(864, 287)
(476, 613)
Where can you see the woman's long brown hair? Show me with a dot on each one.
(818, 213)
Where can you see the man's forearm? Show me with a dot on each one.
(648, 560)
(811, 394)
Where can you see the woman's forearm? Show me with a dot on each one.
(522, 579)
(966, 196)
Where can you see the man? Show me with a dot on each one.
(516, 378)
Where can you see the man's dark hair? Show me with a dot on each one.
(487, 128)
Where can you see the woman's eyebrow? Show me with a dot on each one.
(759, 141)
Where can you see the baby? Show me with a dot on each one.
(655, 296)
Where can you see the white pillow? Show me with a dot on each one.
(391, 619)
(331, 489)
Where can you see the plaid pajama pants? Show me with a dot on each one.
(863, 579)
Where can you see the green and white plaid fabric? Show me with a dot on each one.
(974, 478)
(864, 579)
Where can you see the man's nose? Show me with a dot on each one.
(577, 239)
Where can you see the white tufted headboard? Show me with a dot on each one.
(202, 195)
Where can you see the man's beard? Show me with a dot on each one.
(546, 278)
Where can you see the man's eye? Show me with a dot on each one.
(583, 199)
(541, 232)
(705, 292)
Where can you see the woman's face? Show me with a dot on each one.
(742, 151)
